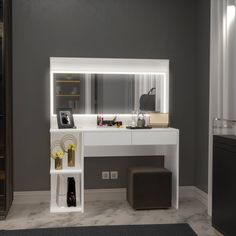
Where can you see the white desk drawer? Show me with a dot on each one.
(154, 138)
(107, 138)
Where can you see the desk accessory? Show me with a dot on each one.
(159, 120)
(57, 154)
(65, 118)
(69, 145)
(136, 127)
(102, 122)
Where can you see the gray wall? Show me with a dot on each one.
(202, 94)
(91, 28)
(92, 179)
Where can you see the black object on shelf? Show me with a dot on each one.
(71, 195)
(224, 188)
(6, 153)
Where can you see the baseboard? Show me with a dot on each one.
(105, 194)
(31, 197)
(34, 197)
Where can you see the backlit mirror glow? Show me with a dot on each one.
(99, 93)
(230, 14)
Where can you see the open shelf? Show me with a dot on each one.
(68, 81)
(66, 171)
(56, 209)
(67, 95)
(70, 179)
(68, 92)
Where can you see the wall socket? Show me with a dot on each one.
(109, 174)
(114, 174)
(105, 175)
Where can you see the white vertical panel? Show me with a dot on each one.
(222, 71)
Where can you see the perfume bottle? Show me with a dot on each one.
(98, 120)
(71, 195)
(133, 121)
(141, 120)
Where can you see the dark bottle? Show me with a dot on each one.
(71, 196)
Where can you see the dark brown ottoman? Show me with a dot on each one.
(149, 188)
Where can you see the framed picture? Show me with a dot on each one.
(65, 118)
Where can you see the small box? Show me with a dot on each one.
(149, 188)
(159, 120)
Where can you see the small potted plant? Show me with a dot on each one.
(58, 156)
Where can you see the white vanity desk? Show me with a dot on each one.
(105, 141)
(111, 142)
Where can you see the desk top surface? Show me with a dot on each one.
(112, 129)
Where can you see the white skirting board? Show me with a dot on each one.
(34, 197)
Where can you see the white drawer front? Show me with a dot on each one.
(154, 138)
(107, 138)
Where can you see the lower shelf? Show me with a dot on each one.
(66, 171)
(66, 209)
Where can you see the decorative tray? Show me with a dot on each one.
(136, 127)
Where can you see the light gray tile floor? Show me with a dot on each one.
(191, 211)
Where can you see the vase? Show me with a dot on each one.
(71, 194)
(58, 164)
(71, 157)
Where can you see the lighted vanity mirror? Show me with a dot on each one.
(107, 93)
(109, 86)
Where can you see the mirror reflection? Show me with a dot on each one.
(108, 93)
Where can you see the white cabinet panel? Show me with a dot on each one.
(154, 137)
(107, 138)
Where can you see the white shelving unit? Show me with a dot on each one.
(59, 177)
